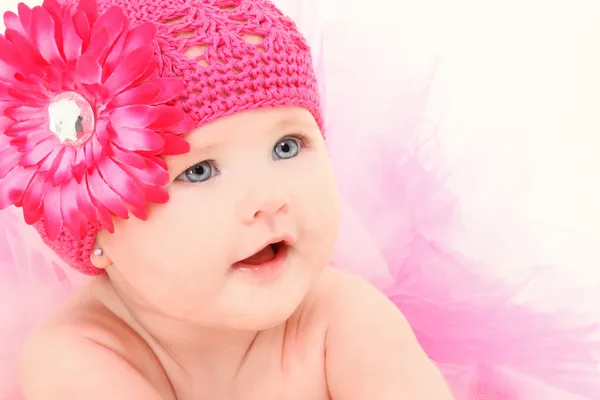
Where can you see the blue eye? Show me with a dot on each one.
(286, 148)
(199, 173)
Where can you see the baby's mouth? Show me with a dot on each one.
(265, 255)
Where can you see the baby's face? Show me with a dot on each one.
(250, 179)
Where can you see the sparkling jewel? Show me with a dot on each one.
(71, 118)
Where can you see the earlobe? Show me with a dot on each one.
(99, 259)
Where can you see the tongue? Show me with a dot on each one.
(263, 256)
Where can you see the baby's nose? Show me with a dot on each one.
(263, 202)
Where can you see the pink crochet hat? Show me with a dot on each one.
(140, 74)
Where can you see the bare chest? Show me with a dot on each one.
(302, 385)
(268, 373)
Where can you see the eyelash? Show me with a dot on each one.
(304, 140)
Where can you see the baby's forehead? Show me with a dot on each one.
(251, 125)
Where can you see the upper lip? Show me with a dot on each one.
(286, 239)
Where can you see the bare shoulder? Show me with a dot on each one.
(350, 303)
(344, 295)
(79, 350)
(371, 350)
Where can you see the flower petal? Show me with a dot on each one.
(56, 162)
(25, 16)
(31, 92)
(26, 143)
(113, 21)
(25, 128)
(105, 33)
(24, 113)
(167, 119)
(43, 34)
(138, 116)
(32, 199)
(5, 123)
(24, 176)
(104, 217)
(72, 42)
(175, 145)
(10, 55)
(38, 153)
(104, 195)
(69, 209)
(12, 21)
(99, 46)
(26, 49)
(7, 71)
(53, 221)
(129, 70)
(140, 36)
(55, 11)
(84, 202)
(103, 132)
(150, 73)
(113, 58)
(167, 88)
(82, 27)
(142, 139)
(128, 157)
(185, 126)
(124, 186)
(79, 165)
(97, 149)
(8, 159)
(156, 194)
(88, 70)
(92, 152)
(170, 88)
(4, 96)
(153, 192)
(63, 171)
(143, 94)
(154, 174)
(89, 8)
(50, 159)
(88, 151)
(13, 185)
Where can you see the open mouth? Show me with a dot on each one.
(265, 255)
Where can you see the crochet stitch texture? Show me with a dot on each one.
(234, 55)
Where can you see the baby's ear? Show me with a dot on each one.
(99, 258)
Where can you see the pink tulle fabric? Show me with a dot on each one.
(397, 220)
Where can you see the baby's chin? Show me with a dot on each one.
(269, 307)
(261, 316)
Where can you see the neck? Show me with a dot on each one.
(190, 349)
(195, 355)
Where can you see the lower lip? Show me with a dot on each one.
(267, 269)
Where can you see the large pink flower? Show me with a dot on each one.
(83, 117)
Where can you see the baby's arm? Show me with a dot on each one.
(62, 364)
(372, 353)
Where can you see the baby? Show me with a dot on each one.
(197, 192)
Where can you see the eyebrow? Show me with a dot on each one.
(199, 146)
(289, 122)
(286, 122)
